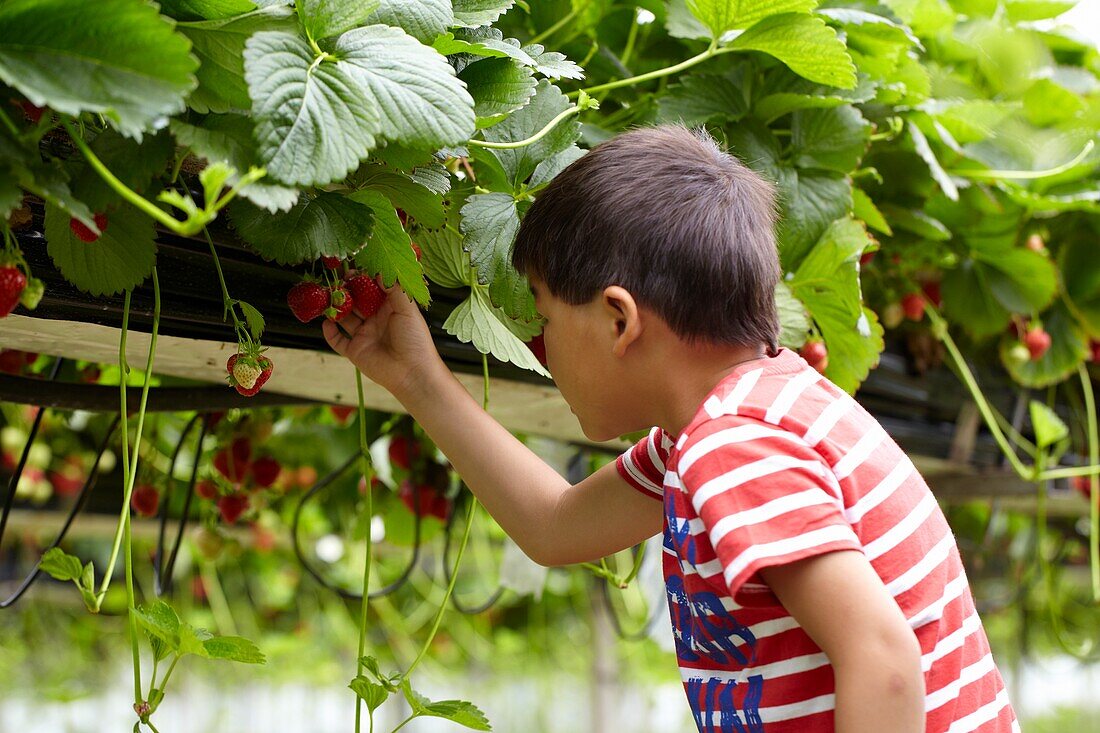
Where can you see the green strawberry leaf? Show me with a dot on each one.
(924, 150)
(192, 640)
(784, 92)
(701, 98)
(805, 44)
(864, 209)
(160, 622)
(475, 13)
(446, 263)
(498, 87)
(720, 16)
(476, 321)
(811, 201)
(136, 164)
(423, 20)
(67, 56)
(205, 9)
(253, 318)
(490, 222)
(406, 192)
(489, 41)
(372, 693)
(61, 565)
(548, 169)
(794, 322)
(916, 222)
(219, 45)
(1049, 428)
(969, 301)
(326, 18)
(552, 64)
(11, 196)
(457, 711)
(228, 138)
(389, 250)
(832, 139)
(519, 163)
(119, 260)
(313, 124)
(1080, 269)
(1069, 347)
(233, 649)
(328, 224)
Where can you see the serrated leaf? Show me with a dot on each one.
(805, 44)
(680, 23)
(811, 201)
(445, 262)
(490, 222)
(423, 20)
(253, 318)
(389, 251)
(119, 260)
(406, 193)
(519, 163)
(61, 565)
(160, 621)
(434, 176)
(372, 693)
(794, 322)
(700, 98)
(234, 649)
(473, 321)
(192, 640)
(489, 41)
(720, 16)
(448, 45)
(865, 210)
(219, 45)
(552, 64)
(1049, 428)
(205, 9)
(312, 127)
(457, 711)
(924, 150)
(474, 13)
(49, 180)
(832, 139)
(134, 163)
(326, 18)
(548, 169)
(228, 138)
(916, 222)
(67, 56)
(786, 92)
(498, 87)
(328, 224)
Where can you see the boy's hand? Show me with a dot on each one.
(393, 348)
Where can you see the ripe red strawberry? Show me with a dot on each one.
(198, 588)
(32, 112)
(341, 412)
(331, 262)
(83, 233)
(12, 282)
(341, 304)
(265, 470)
(232, 507)
(816, 354)
(402, 217)
(866, 257)
(403, 451)
(1037, 341)
(11, 361)
(932, 292)
(913, 305)
(144, 499)
(1082, 484)
(367, 295)
(429, 501)
(242, 449)
(416, 250)
(538, 347)
(206, 489)
(265, 365)
(1094, 349)
(307, 300)
(232, 468)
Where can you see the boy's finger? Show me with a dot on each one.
(337, 338)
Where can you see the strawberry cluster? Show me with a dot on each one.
(335, 294)
(422, 483)
(1032, 341)
(17, 287)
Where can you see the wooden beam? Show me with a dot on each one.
(326, 377)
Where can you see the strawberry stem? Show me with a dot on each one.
(1094, 480)
(367, 470)
(229, 305)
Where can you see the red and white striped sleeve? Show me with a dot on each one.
(643, 466)
(764, 496)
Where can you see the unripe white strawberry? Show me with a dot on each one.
(245, 373)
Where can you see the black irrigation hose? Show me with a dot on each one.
(162, 571)
(342, 592)
(460, 606)
(81, 502)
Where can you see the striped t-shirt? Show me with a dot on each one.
(778, 465)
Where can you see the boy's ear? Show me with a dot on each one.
(625, 318)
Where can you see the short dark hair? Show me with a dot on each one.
(666, 214)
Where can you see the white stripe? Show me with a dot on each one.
(703, 570)
(914, 575)
(672, 480)
(828, 419)
(934, 611)
(655, 459)
(903, 529)
(776, 626)
(713, 406)
(740, 391)
(984, 714)
(750, 472)
(779, 713)
(880, 493)
(770, 510)
(794, 665)
(967, 675)
(638, 475)
(681, 440)
(825, 535)
(730, 436)
(859, 452)
(952, 642)
(790, 392)
(666, 442)
(1015, 724)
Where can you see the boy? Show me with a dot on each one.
(813, 582)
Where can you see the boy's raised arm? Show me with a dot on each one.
(553, 522)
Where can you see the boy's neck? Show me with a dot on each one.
(697, 370)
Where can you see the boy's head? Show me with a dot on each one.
(664, 216)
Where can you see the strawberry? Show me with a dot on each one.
(816, 354)
(1037, 342)
(403, 451)
(245, 372)
(12, 283)
(331, 262)
(416, 251)
(1036, 244)
(232, 507)
(538, 347)
(144, 499)
(913, 306)
(1019, 353)
(227, 465)
(90, 374)
(341, 412)
(932, 292)
(265, 366)
(402, 217)
(306, 476)
(866, 257)
(892, 315)
(307, 300)
(366, 294)
(1082, 484)
(242, 449)
(265, 470)
(209, 542)
(83, 233)
(342, 303)
(198, 588)
(206, 489)
(11, 361)
(32, 112)
(1094, 349)
(428, 500)
(32, 294)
